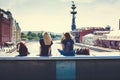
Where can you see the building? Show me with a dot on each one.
(7, 28)
(111, 40)
(18, 32)
(79, 33)
(88, 39)
(14, 32)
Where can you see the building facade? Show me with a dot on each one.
(111, 40)
(80, 33)
(7, 27)
(18, 32)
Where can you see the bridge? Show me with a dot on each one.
(60, 68)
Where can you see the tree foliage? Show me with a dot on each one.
(31, 35)
(23, 35)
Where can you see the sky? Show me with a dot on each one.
(54, 15)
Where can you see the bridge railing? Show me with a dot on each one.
(60, 68)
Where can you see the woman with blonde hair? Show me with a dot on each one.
(45, 45)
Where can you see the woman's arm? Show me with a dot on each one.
(63, 46)
(49, 52)
(40, 50)
(73, 45)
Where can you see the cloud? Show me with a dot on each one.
(86, 1)
(81, 1)
(100, 13)
(14, 3)
(49, 15)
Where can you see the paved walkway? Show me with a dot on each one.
(100, 51)
(33, 48)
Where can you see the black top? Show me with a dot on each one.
(23, 50)
(44, 48)
(68, 43)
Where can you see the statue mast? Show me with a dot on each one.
(73, 12)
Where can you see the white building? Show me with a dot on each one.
(113, 35)
(89, 39)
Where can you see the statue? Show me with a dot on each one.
(73, 26)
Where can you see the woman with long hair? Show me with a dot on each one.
(22, 49)
(67, 45)
(45, 45)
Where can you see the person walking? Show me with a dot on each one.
(45, 45)
(22, 49)
(67, 45)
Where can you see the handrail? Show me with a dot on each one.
(59, 58)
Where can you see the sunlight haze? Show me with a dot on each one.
(54, 15)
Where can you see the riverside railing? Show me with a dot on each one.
(60, 68)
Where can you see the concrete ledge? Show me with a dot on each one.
(60, 58)
(60, 68)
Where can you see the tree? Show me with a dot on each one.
(52, 35)
(108, 27)
(40, 35)
(29, 33)
(33, 34)
(30, 37)
(23, 35)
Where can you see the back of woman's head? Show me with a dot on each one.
(22, 43)
(47, 38)
(67, 36)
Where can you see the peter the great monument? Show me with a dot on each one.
(73, 12)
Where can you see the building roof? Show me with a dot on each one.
(113, 35)
(104, 32)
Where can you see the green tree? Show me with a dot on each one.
(29, 33)
(40, 35)
(30, 37)
(23, 35)
(108, 27)
(34, 35)
(52, 35)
